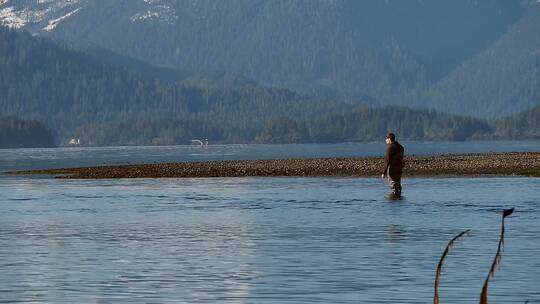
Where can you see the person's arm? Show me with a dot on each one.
(387, 159)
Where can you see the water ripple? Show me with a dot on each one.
(253, 240)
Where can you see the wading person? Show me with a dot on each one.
(393, 165)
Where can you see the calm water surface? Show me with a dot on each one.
(20, 159)
(258, 240)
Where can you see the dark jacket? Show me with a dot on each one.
(394, 157)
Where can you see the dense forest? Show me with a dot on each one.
(352, 124)
(369, 124)
(520, 126)
(16, 133)
(80, 96)
(476, 56)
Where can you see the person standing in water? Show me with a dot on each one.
(393, 164)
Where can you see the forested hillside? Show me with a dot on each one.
(504, 78)
(16, 133)
(101, 104)
(523, 125)
(369, 124)
(381, 51)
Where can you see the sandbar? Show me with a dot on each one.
(498, 164)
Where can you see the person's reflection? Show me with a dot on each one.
(398, 257)
(396, 233)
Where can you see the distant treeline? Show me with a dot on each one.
(15, 133)
(350, 125)
(525, 125)
(358, 124)
(366, 124)
(79, 96)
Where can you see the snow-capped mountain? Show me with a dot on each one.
(46, 15)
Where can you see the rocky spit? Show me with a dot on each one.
(440, 165)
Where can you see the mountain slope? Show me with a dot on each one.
(503, 79)
(379, 50)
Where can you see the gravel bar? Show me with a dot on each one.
(440, 165)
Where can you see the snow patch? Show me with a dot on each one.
(157, 10)
(22, 13)
(53, 23)
(144, 16)
(11, 19)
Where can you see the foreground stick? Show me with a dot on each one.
(496, 260)
(439, 266)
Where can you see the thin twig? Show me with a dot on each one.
(439, 266)
(496, 260)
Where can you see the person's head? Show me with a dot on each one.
(390, 138)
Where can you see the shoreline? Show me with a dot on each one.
(497, 164)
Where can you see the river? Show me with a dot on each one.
(261, 240)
